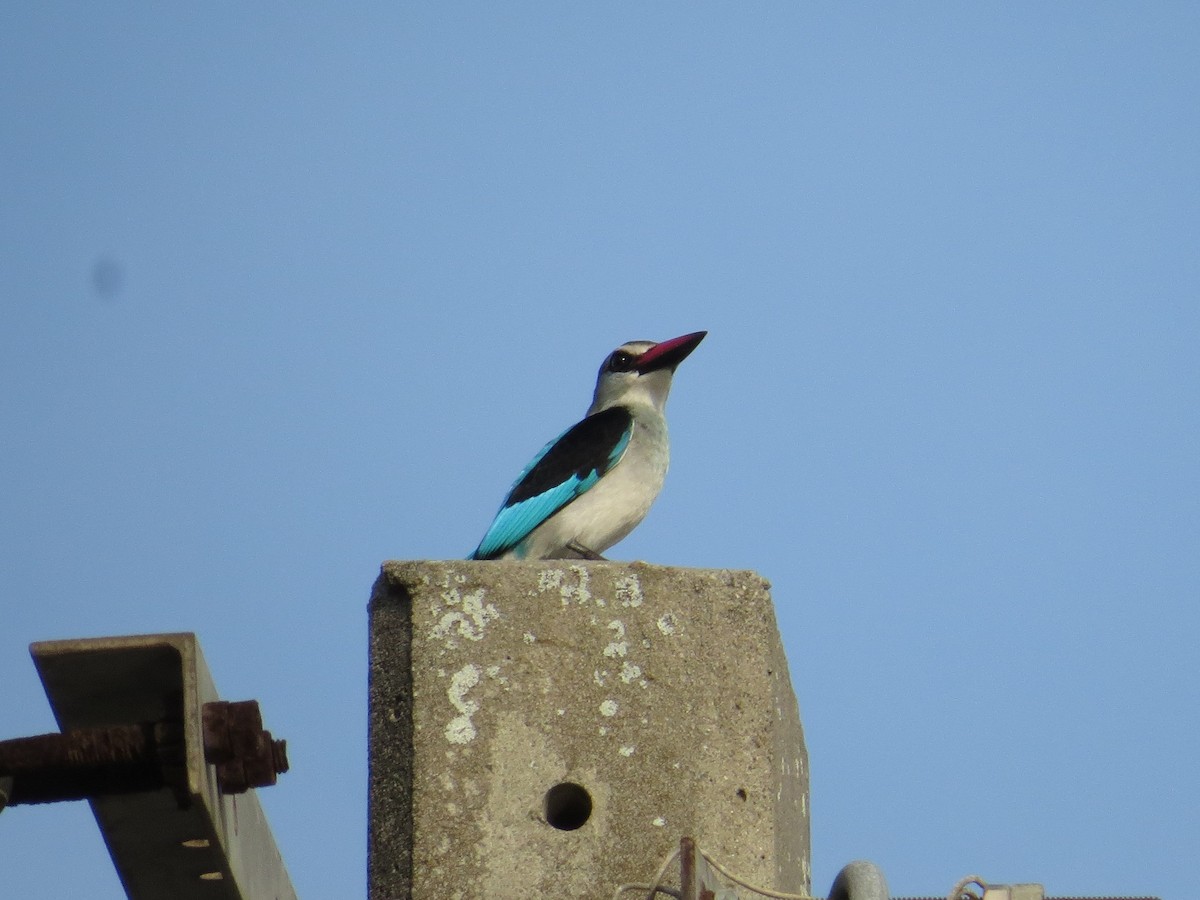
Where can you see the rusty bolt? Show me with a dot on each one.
(120, 759)
(86, 762)
(244, 754)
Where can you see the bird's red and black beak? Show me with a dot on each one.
(669, 354)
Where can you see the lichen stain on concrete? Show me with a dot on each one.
(630, 672)
(448, 580)
(668, 624)
(619, 647)
(470, 622)
(580, 592)
(629, 590)
(609, 708)
(460, 729)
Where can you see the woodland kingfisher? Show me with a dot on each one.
(592, 485)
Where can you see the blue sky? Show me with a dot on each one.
(289, 290)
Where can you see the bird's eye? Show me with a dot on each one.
(620, 361)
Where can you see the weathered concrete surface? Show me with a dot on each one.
(663, 692)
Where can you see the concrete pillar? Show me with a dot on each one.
(552, 729)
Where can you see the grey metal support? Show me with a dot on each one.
(859, 880)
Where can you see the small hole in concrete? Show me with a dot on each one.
(568, 806)
(741, 792)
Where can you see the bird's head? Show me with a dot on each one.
(640, 372)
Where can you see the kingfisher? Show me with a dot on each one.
(592, 485)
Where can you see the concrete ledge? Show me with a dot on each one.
(662, 693)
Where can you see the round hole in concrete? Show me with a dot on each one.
(568, 806)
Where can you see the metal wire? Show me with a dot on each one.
(670, 892)
(656, 887)
(766, 892)
(960, 892)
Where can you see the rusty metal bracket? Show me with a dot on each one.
(165, 764)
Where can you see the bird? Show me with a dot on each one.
(594, 483)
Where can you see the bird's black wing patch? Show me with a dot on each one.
(584, 448)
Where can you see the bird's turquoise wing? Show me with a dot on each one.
(564, 469)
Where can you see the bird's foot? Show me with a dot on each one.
(582, 551)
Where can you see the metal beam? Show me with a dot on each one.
(187, 840)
